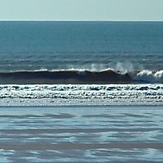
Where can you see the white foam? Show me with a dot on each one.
(149, 76)
(159, 75)
(124, 67)
(76, 94)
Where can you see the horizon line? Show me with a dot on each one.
(81, 20)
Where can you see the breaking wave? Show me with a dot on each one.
(108, 76)
(149, 76)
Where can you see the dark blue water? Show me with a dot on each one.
(81, 45)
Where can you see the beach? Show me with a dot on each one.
(81, 91)
(81, 134)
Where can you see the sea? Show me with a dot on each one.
(73, 91)
(81, 63)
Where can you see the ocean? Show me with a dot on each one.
(81, 92)
(81, 63)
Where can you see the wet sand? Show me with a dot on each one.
(116, 134)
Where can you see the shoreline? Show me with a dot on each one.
(81, 134)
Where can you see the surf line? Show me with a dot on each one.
(64, 77)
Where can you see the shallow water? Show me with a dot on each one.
(81, 134)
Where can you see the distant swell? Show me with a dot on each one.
(80, 77)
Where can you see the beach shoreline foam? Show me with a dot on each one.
(80, 94)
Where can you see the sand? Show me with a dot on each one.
(81, 134)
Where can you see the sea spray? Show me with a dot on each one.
(124, 67)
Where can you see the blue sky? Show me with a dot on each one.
(82, 10)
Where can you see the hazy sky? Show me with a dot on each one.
(80, 10)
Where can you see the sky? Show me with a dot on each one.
(81, 10)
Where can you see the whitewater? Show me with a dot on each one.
(76, 95)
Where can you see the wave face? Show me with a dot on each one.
(66, 77)
(80, 77)
(81, 94)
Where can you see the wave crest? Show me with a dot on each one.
(149, 76)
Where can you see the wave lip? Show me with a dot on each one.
(64, 77)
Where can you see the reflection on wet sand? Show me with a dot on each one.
(81, 134)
